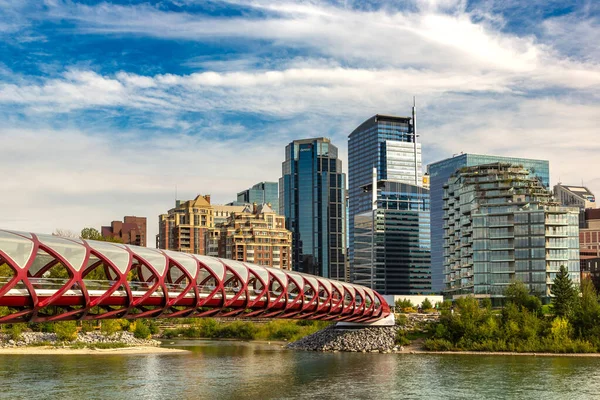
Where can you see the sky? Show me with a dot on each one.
(113, 108)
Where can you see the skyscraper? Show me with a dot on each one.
(439, 173)
(261, 193)
(312, 199)
(386, 143)
(389, 213)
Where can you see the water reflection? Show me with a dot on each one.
(239, 370)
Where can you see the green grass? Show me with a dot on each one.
(209, 328)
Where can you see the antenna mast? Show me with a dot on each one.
(414, 127)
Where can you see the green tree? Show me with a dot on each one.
(564, 292)
(66, 330)
(93, 234)
(517, 293)
(586, 319)
(426, 304)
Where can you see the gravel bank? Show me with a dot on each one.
(88, 338)
(369, 339)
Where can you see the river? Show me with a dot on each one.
(251, 370)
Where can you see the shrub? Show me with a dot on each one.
(110, 326)
(402, 304)
(141, 331)
(426, 304)
(438, 345)
(401, 339)
(66, 330)
(409, 310)
(401, 320)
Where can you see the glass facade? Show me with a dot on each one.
(384, 142)
(439, 174)
(312, 198)
(261, 193)
(392, 243)
(500, 225)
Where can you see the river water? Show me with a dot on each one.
(250, 370)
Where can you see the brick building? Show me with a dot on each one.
(132, 230)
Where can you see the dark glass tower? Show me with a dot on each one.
(439, 173)
(392, 243)
(312, 198)
(261, 193)
(389, 243)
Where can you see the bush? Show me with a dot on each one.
(110, 326)
(402, 304)
(438, 345)
(141, 331)
(426, 304)
(401, 320)
(15, 330)
(66, 330)
(401, 339)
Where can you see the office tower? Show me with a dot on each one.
(131, 231)
(439, 173)
(392, 241)
(261, 193)
(389, 246)
(312, 199)
(256, 235)
(500, 224)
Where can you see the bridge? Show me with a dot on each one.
(51, 278)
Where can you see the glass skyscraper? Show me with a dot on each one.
(439, 173)
(392, 249)
(312, 198)
(261, 193)
(389, 247)
(384, 142)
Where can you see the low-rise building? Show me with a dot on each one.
(256, 235)
(132, 230)
(574, 196)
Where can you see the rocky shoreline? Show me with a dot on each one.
(88, 339)
(365, 340)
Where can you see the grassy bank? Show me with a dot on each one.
(209, 328)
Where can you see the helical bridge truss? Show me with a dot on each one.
(50, 278)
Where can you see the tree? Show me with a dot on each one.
(426, 304)
(564, 292)
(91, 234)
(517, 293)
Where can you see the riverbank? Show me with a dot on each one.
(52, 350)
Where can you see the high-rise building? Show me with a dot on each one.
(131, 231)
(261, 193)
(312, 199)
(257, 235)
(388, 144)
(439, 173)
(574, 196)
(185, 227)
(391, 242)
(389, 228)
(501, 225)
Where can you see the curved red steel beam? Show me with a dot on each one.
(47, 280)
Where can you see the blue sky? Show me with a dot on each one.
(108, 107)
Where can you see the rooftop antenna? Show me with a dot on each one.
(414, 126)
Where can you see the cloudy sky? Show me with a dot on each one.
(107, 107)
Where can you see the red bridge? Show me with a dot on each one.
(50, 278)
